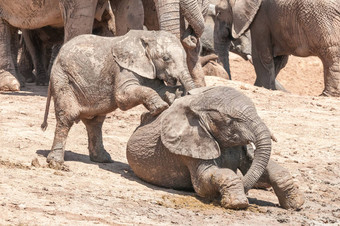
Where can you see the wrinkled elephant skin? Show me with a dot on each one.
(280, 28)
(95, 75)
(75, 16)
(199, 143)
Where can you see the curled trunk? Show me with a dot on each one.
(261, 155)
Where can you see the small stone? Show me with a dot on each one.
(35, 163)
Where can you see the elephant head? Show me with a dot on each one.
(154, 55)
(233, 19)
(201, 127)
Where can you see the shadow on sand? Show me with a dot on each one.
(125, 171)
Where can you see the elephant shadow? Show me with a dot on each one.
(125, 171)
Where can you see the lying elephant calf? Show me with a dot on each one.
(199, 142)
(95, 75)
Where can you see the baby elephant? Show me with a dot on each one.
(95, 75)
(199, 142)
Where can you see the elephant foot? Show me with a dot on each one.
(157, 106)
(101, 156)
(56, 155)
(58, 166)
(234, 201)
(326, 93)
(41, 81)
(291, 197)
(29, 78)
(9, 83)
(233, 196)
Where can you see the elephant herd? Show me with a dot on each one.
(102, 55)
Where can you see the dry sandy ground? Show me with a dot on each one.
(307, 128)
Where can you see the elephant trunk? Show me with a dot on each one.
(222, 50)
(261, 155)
(193, 14)
(169, 16)
(187, 81)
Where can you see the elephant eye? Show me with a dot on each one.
(166, 58)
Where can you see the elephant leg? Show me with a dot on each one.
(287, 191)
(331, 65)
(34, 46)
(209, 180)
(54, 52)
(150, 15)
(15, 45)
(278, 177)
(129, 14)
(130, 93)
(280, 62)
(61, 131)
(95, 139)
(262, 54)
(8, 76)
(25, 64)
(78, 16)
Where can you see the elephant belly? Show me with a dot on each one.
(153, 163)
(31, 14)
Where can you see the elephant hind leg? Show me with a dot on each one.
(332, 75)
(285, 188)
(95, 139)
(287, 191)
(56, 154)
(66, 114)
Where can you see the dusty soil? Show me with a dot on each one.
(307, 128)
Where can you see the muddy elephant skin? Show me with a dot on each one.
(199, 143)
(95, 75)
(75, 16)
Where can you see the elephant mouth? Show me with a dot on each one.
(171, 82)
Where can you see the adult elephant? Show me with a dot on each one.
(240, 46)
(75, 16)
(280, 28)
(170, 15)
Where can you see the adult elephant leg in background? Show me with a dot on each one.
(129, 14)
(39, 43)
(78, 16)
(10, 79)
(25, 63)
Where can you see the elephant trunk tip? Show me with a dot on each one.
(44, 126)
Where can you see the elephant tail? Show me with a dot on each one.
(48, 102)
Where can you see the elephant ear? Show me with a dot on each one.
(184, 132)
(131, 52)
(244, 12)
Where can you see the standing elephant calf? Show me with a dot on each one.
(199, 142)
(95, 75)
